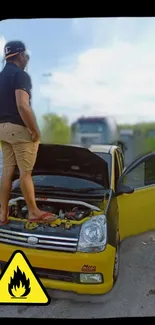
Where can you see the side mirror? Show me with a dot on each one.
(124, 189)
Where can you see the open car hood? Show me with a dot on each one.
(72, 161)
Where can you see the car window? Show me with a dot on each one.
(142, 175)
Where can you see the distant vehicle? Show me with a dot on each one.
(133, 142)
(87, 131)
(150, 133)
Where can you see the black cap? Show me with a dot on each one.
(13, 48)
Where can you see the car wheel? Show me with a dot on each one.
(116, 262)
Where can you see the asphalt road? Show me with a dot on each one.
(133, 294)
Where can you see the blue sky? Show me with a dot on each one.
(99, 66)
(49, 40)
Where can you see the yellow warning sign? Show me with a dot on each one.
(19, 284)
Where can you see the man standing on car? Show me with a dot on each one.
(19, 134)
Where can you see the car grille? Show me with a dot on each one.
(46, 242)
(52, 274)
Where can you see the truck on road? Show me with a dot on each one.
(87, 131)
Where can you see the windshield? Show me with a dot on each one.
(71, 183)
(91, 127)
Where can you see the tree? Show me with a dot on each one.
(55, 129)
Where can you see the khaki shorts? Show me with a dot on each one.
(17, 147)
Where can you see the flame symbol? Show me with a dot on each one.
(19, 286)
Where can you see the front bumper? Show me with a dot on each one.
(67, 268)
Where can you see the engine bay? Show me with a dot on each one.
(63, 210)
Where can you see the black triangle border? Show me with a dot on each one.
(35, 275)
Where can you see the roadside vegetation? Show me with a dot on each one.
(57, 130)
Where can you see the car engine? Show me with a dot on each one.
(62, 210)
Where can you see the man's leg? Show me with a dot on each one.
(26, 154)
(9, 163)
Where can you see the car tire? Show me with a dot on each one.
(117, 260)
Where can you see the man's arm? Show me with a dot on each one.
(22, 93)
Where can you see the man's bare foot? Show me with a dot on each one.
(4, 219)
(3, 223)
(42, 216)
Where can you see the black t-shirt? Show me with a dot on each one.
(12, 78)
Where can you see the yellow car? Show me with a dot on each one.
(97, 205)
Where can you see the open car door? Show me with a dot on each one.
(137, 209)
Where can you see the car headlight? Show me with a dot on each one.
(93, 235)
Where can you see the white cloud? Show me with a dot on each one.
(2, 43)
(117, 78)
